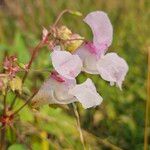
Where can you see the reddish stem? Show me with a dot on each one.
(59, 16)
(36, 49)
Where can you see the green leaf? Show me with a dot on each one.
(17, 147)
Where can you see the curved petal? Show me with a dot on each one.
(89, 60)
(54, 92)
(101, 28)
(112, 68)
(66, 64)
(86, 94)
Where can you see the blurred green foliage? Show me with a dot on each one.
(120, 119)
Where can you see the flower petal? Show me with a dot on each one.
(101, 28)
(54, 92)
(88, 59)
(86, 94)
(66, 64)
(112, 68)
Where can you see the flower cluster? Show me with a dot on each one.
(10, 65)
(88, 56)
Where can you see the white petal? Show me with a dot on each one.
(66, 64)
(86, 94)
(54, 92)
(101, 28)
(89, 60)
(112, 68)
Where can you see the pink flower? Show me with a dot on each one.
(65, 63)
(54, 91)
(110, 66)
(11, 66)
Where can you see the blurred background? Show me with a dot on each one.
(116, 124)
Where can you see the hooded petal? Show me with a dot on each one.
(86, 94)
(54, 92)
(101, 28)
(66, 64)
(88, 59)
(112, 68)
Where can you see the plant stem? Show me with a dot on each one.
(2, 141)
(3, 130)
(5, 97)
(18, 110)
(79, 125)
(35, 50)
(147, 106)
(59, 17)
(13, 102)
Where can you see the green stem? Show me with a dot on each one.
(59, 16)
(13, 102)
(18, 110)
(5, 97)
(2, 141)
(36, 49)
(147, 106)
(79, 125)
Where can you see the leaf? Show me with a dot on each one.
(17, 147)
(16, 84)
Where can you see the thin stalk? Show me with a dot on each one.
(19, 109)
(3, 130)
(147, 105)
(13, 102)
(35, 50)
(59, 16)
(2, 141)
(79, 125)
(31, 60)
(5, 97)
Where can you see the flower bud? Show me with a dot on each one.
(64, 33)
(74, 42)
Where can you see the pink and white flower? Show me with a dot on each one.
(65, 63)
(58, 90)
(110, 66)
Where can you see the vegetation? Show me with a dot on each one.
(116, 124)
